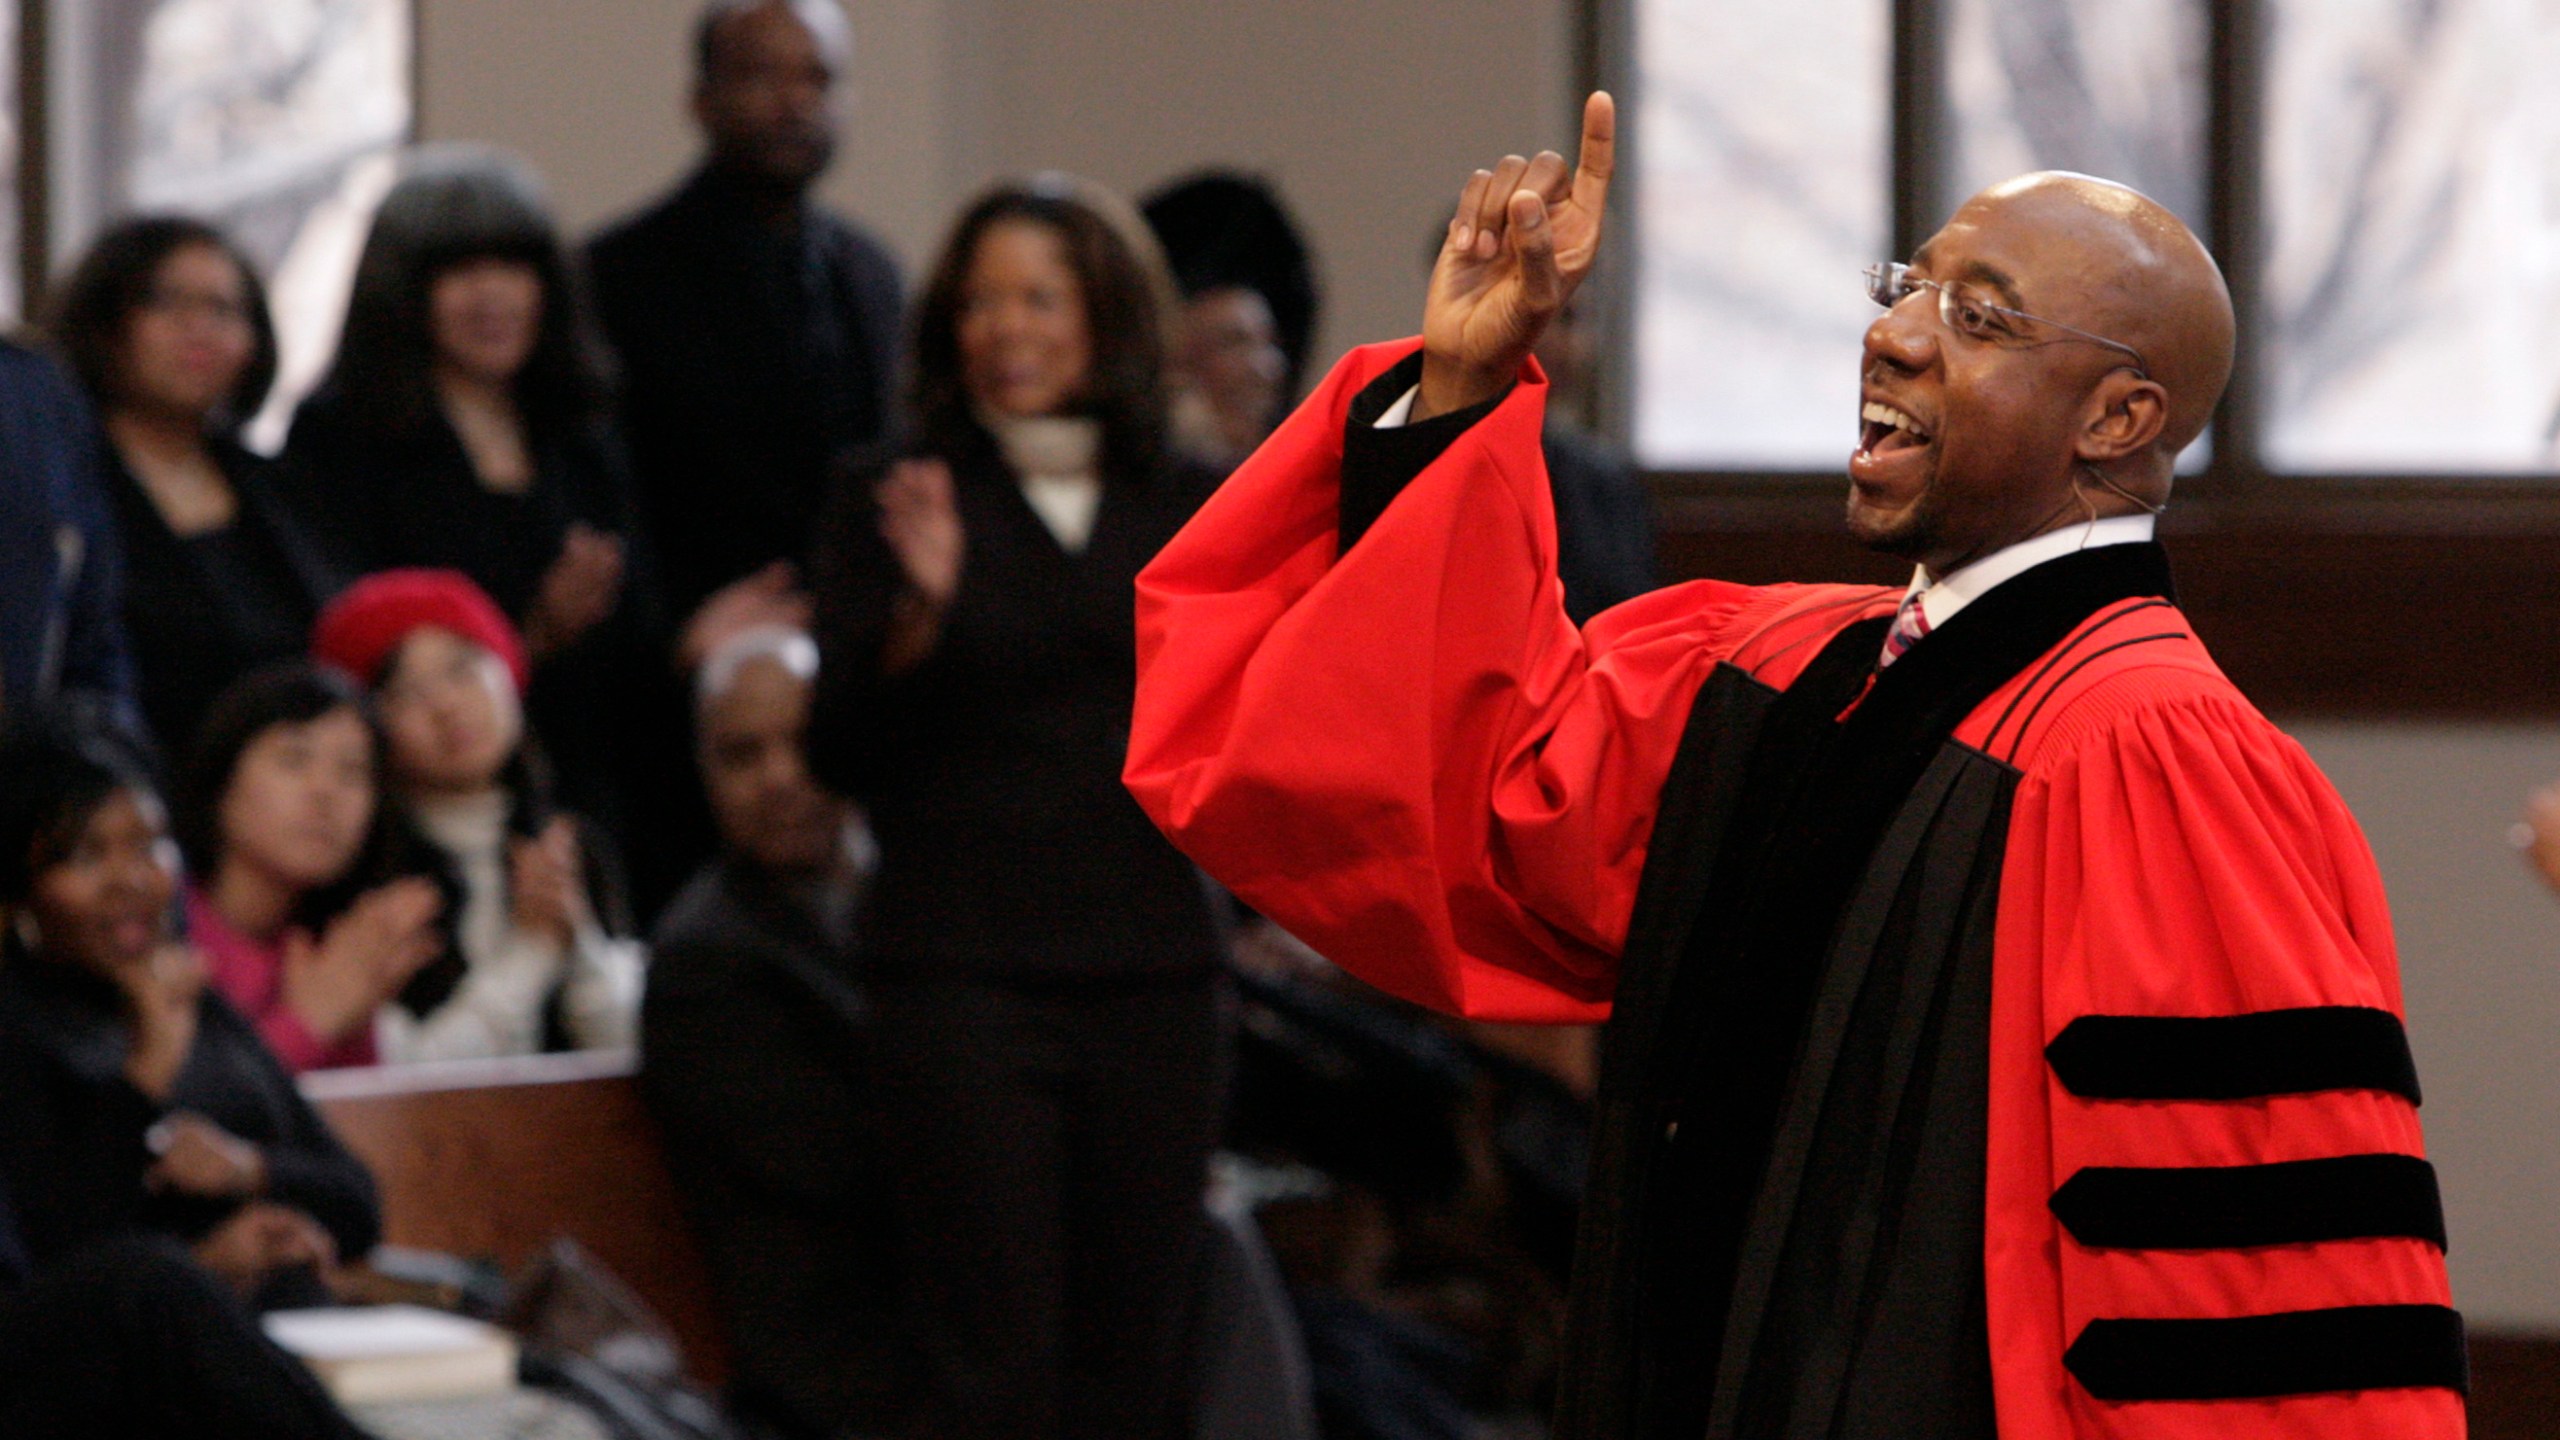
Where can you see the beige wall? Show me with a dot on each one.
(1368, 115)
(2480, 963)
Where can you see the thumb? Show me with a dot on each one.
(1534, 241)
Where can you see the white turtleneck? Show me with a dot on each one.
(509, 974)
(1058, 460)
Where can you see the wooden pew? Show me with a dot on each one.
(491, 1159)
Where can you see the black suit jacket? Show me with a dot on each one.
(752, 1040)
(752, 364)
(1009, 849)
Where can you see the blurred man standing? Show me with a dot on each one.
(757, 332)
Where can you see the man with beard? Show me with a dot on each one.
(2003, 1024)
(758, 333)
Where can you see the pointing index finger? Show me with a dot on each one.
(1598, 159)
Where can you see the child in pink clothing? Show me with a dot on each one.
(279, 818)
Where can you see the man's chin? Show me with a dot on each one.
(794, 164)
(1902, 533)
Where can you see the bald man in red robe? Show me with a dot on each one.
(2004, 1031)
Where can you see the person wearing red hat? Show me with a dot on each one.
(540, 957)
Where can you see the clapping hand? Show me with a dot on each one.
(921, 522)
(770, 596)
(335, 983)
(548, 882)
(1524, 235)
(581, 587)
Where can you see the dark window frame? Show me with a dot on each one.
(2339, 595)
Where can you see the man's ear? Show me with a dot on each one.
(2124, 416)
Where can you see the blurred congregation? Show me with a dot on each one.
(701, 638)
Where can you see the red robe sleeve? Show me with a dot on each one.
(2173, 855)
(1410, 758)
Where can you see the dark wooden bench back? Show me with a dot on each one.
(492, 1159)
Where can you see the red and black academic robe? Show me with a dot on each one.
(2013, 1032)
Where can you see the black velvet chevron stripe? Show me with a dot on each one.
(2303, 1352)
(2234, 1057)
(2351, 1197)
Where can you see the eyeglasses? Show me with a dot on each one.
(1890, 282)
(195, 305)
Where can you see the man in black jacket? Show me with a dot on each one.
(758, 333)
(752, 1035)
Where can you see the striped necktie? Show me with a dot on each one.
(1909, 624)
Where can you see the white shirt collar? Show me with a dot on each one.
(1939, 602)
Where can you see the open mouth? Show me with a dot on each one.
(1884, 430)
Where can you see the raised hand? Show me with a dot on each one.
(337, 982)
(581, 587)
(160, 994)
(921, 522)
(1523, 236)
(548, 883)
(770, 596)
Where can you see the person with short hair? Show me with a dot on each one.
(754, 1053)
(2005, 1034)
(1042, 966)
(758, 332)
(165, 323)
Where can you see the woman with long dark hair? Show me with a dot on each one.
(165, 323)
(1042, 963)
(463, 425)
(291, 903)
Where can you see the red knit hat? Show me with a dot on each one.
(365, 626)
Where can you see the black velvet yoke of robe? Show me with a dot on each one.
(1788, 1235)
(1782, 1234)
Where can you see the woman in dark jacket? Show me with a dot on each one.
(463, 426)
(139, 1100)
(1042, 962)
(166, 326)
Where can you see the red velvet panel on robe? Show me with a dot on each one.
(1413, 761)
